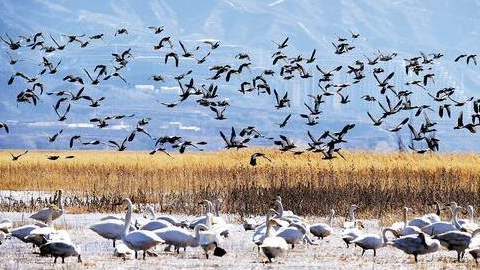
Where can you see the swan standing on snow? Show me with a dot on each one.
(110, 229)
(443, 226)
(260, 231)
(272, 246)
(418, 244)
(456, 240)
(60, 249)
(55, 212)
(402, 228)
(350, 234)
(322, 230)
(373, 241)
(179, 237)
(137, 240)
(293, 234)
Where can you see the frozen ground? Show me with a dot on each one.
(330, 253)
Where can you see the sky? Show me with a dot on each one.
(406, 27)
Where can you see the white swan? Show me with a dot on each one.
(56, 212)
(351, 217)
(416, 244)
(181, 238)
(293, 234)
(110, 229)
(322, 230)
(443, 226)
(260, 231)
(373, 241)
(401, 227)
(456, 240)
(469, 224)
(272, 246)
(23, 231)
(434, 217)
(3, 236)
(137, 240)
(60, 249)
(42, 235)
(350, 234)
(210, 239)
(5, 225)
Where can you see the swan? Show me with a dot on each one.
(42, 235)
(272, 246)
(210, 239)
(401, 227)
(5, 225)
(351, 215)
(293, 234)
(140, 239)
(260, 231)
(179, 237)
(322, 230)
(60, 249)
(373, 241)
(285, 215)
(173, 221)
(110, 229)
(23, 231)
(350, 234)
(56, 212)
(416, 244)
(456, 240)
(434, 217)
(207, 205)
(443, 226)
(468, 224)
(122, 251)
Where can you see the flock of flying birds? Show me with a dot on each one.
(391, 99)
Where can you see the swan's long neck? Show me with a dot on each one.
(351, 214)
(330, 218)
(128, 219)
(152, 213)
(470, 213)
(49, 218)
(269, 226)
(455, 217)
(209, 220)
(384, 234)
(279, 208)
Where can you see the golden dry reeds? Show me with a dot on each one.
(380, 183)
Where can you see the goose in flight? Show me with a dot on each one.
(254, 156)
(16, 157)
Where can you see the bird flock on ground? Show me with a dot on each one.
(273, 237)
(394, 101)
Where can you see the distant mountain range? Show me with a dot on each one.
(406, 27)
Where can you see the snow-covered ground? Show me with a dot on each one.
(331, 253)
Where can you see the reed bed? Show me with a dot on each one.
(380, 183)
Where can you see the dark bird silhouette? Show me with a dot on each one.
(75, 138)
(174, 55)
(213, 44)
(5, 126)
(94, 81)
(121, 31)
(219, 113)
(399, 126)
(16, 157)
(254, 156)
(120, 146)
(13, 45)
(54, 137)
(234, 142)
(156, 30)
(62, 117)
(59, 47)
(285, 143)
(284, 122)
(281, 45)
